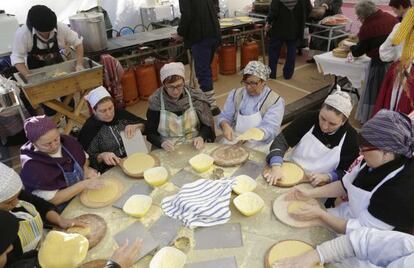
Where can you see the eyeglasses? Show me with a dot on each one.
(251, 83)
(172, 87)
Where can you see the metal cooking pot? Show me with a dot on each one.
(91, 26)
(7, 98)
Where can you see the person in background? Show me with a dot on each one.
(123, 257)
(31, 211)
(39, 42)
(388, 52)
(365, 247)
(376, 26)
(100, 136)
(199, 27)
(378, 184)
(285, 24)
(54, 166)
(254, 105)
(177, 113)
(325, 8)
(325, 144)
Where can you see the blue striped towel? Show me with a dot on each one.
(201, 203)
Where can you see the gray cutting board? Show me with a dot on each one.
(229, 262)
(134, 231)
(227, 235)
(165, 230)
(136, 144)
(251, 168)
(141, 187)
(183, 177)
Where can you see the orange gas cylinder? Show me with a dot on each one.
(129, 87)
(249, 52)
(228, 59)
(158, 65)
(146, 77)
(214, 67)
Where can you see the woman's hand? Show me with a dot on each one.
(198, 143)
(126, 255)
(228, 132)
(306, 260)
(273, 175)
(319, 179)
(109, 158)
(93, 184)
(67, 223)
(91, 173)
(130, 130)
(307, 212)
(167, 145)
(298, 194)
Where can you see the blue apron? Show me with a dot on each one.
(71, 177)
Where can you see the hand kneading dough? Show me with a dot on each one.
(168, 257)
(292, 173)
(138, 163)
(287, 249)
(156, 176)
(137, 205)
(244, 184)
(85, 231)
(295, 206)
(106, 193)
(249, 203)
(201, 162)
(62, 250)
(252, 134)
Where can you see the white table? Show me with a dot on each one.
(356, 71)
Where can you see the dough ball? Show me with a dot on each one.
(244, 184)
(156, 176)
(249, 203)
(63, 250)
(168, 257)
(137, 205)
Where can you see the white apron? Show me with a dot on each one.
(313, 156)
(244, 123)
(359, 199)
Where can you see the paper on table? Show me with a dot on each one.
(134, 231)
(227, 235)
(136, 144)
(140, 187)
(229, 262)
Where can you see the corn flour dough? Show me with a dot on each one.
(137, 205)
(287, 249)
(138, 163)
(244, 184)
(252, 134)
(292, 174)
(108, 192)
(71, 249)
(168, 257)
(85, 231)
(249, 203)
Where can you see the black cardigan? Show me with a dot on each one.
(292, 134)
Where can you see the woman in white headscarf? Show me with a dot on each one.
(324, 142)
(255, 105)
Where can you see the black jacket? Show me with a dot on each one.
(288, 24)
(199, 20)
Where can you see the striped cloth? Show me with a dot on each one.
(201, 203)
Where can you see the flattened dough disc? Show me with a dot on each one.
(287, 249)
(103, 197)
(293, 175)
(94, 264)
(230, 155)
(252, 134)
(280, 209)
(136, 164)
(94, 231)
